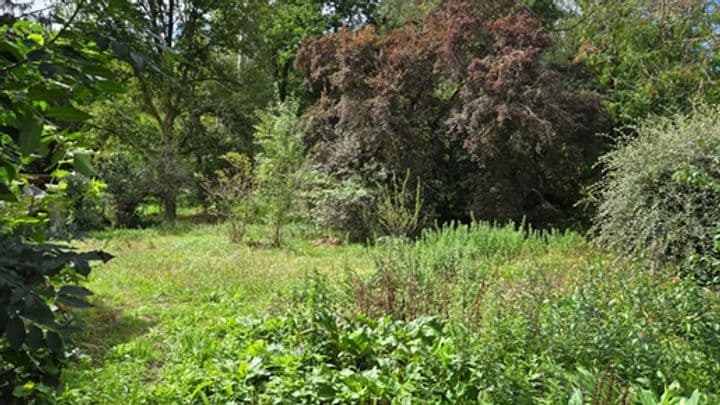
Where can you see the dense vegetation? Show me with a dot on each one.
(359, 201)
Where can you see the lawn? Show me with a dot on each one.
(464, 314)
(157, 302)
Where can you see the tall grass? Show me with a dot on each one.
(446, 270)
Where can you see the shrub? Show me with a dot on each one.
(128, 182)
(278, 171)
(661, 194)
(445, 272)
(36, 313)
(230, 193)
(85, 201)
(343, 206)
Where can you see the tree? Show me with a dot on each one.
(277, 173)
(465, 101)
(174, 50)
(647, 57)
(45, 77)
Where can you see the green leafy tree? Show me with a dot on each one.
(278, 172)
(46, 76)
(230, 193)
(647, 57)
(174, 52)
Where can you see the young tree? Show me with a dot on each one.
(278, 169)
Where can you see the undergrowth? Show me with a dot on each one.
(465, 314)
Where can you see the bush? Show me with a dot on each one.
(230, 193)
(128, 182)
(342, 206)
(446, 271)
(661, 193)
(535, 322)
(399, 210)
(36, 314)
(85, 201)
(526, 350)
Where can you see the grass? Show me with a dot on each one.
(465, 313)
(167, 288)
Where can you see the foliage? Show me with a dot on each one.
(178, 58)
(660, 196)
(466, 99)
(398, 210)
(45, 77)
(445, 272)
(85, 202)
(547, 318)
(128, 183)
(646, 57)
(396, 13)
(346, 206)
(278, 170)
(35, 314)
(231, 194)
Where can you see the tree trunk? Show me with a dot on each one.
(170, 207)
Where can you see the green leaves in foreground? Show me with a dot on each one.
(35, 316)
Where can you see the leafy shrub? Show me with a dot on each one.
(661, 193)
(277, 174)
(231, 193)
(85, 201)
(446, 270)
(343, 206)
(319, 353)
(503, 288)
(128, 184)
(35, 314)
(46, 73)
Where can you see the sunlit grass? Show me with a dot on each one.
(168, 289)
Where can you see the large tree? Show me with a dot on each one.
(646, 56)
(177, 52)
(466, 101)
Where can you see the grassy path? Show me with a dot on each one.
(159, 302)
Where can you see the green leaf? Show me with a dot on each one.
(73, 301)
(35, 339)
(67, 113)
(37, 311)
(75, 290)
(54, 342)
(7, 171)
(102, 42)
(30, 133)
(15, 332)
(6, 194)
(82, 163)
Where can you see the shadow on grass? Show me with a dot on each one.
(107, 326)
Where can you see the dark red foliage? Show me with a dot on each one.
(465, 101)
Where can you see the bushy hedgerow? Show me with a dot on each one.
(661, 192)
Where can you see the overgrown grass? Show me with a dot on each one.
(163, 303)
(465, 314)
